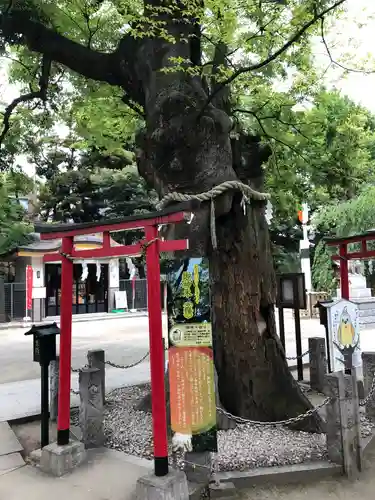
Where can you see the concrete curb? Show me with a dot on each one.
(286, 474)
(368, 444)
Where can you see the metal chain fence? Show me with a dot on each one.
(293, 358)
(136, 293)
(15, 301)
(125, 367)
(370, 395)
(116, 365)
(293, 420)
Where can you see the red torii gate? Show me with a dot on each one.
(344, 255)
(152, 245)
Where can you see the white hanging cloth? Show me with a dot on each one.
(132, 268)
(98, 271)
(85, 271)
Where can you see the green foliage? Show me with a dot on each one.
(14, 226)
(87, 185)
(251, 30)
(349, 217)
(319, 154)
(323, 276)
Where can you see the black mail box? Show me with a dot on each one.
(44, 345)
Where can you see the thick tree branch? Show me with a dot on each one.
(222, 98)
(295, 38)
(39, 94)
(38, 38)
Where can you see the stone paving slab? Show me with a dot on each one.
(8, 440)
(108, 475)
(10, 462)
(22, 399)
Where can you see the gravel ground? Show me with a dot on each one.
(247, 446)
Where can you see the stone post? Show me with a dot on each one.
(318, 363)
(54, 388)
(198, 467)
(91, 411)
(343, 429)
(368, 364)
(96, 359)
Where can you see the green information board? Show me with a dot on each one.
(190, 355)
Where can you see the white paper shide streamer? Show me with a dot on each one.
(132, 268)
(85, 271)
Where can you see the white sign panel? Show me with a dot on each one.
(344, 331)
(121, 300)
(39, 293)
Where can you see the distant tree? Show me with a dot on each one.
(14, 223)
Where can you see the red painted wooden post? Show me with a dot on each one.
(63, 420)
(106, 240)
(344, 277)
(159, 414)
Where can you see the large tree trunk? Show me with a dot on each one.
(186, 147)
(254, 378)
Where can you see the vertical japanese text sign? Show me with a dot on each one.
(191, 363)
(29, 288)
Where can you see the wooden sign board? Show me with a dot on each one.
(343, 331)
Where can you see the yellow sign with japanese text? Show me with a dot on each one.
(191, 335)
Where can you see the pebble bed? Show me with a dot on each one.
(247, 446)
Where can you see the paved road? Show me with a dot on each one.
(125, 340)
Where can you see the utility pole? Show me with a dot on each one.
(304, 246)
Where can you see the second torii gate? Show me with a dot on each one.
(343, 255)
(152, 245)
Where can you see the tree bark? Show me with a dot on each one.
(254, 378)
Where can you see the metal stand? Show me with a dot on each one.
(44, 430)
(282, 326)
(297, 323)
(327, 350)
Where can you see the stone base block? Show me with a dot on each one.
(198, 467)
(223, 490)
(59, 460)
(174, 486)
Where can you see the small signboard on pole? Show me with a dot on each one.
(343, 335)
(191, 363)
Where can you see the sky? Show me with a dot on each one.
(350, 42)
